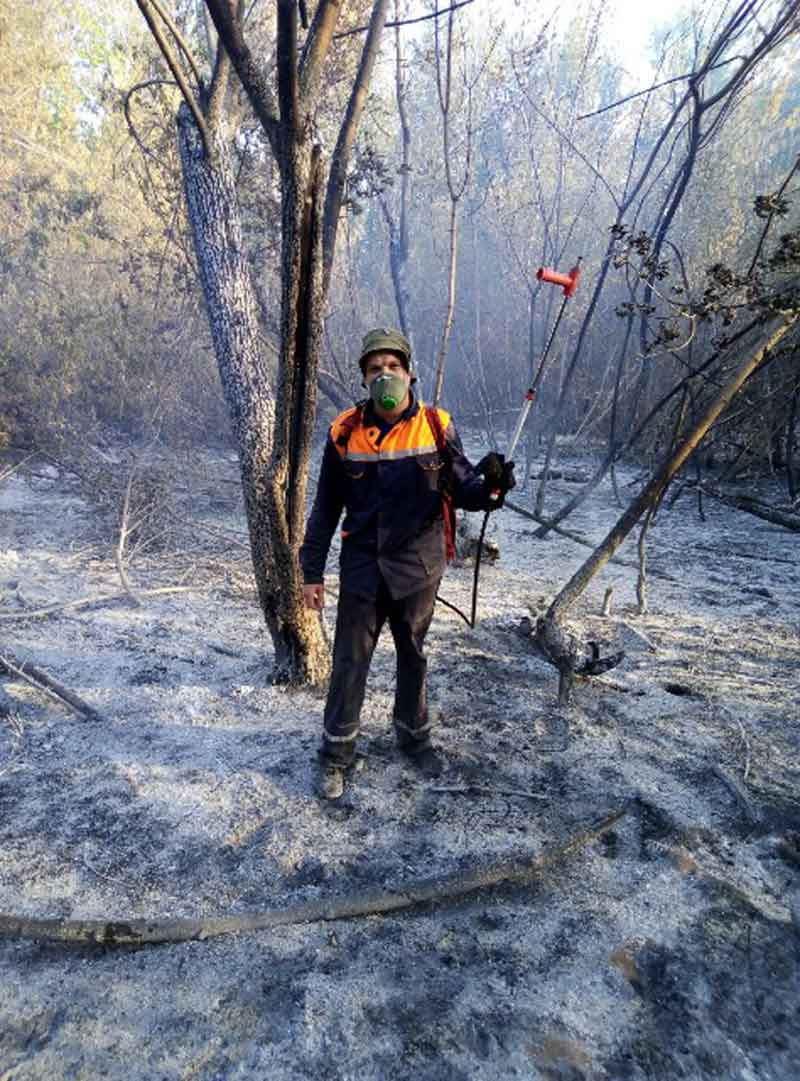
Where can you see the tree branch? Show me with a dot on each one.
(658, 484)
(347, 134)
(259, 92)
(655, 86)
(177, 72)
(42, 682)
(316, 49)
(86, 602)
(172, 26)
(405, 22)
(126, 106)
(288, 85)
(220, 81)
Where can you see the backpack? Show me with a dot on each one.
(349, 425)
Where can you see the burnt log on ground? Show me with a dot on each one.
(366, 902)
(776, 515)
(45, 683)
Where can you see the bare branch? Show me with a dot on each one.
(219, 86)
(254, 80)
(575, 150)
(655, 86)
(180, 41)
(47, 685)
(369, 902)
(288, 84)
(175, 67)
(126, 105)
(125, 529)
(86, 602)
(347, 134)
(405, 22)
(316, 48)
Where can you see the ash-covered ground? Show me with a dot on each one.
(665, 950)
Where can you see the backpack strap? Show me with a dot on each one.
(435, 422)
(445, 486)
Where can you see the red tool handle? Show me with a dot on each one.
(569, 282)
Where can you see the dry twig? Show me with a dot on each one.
(86, 602)
(641, 636)
(47, 685)
(746, 745)
(125, 529)
(11, 469)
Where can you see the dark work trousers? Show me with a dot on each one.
(358, 624)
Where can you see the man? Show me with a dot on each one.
(392, 465)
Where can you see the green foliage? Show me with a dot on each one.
(102, 325)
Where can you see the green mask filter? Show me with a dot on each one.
(388, 390)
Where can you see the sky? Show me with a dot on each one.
(630, 24)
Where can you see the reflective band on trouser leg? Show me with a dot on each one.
(329, 738)
(416, 730)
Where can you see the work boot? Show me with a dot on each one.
(426, 760)
(330, 783)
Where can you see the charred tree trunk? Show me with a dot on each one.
(273, 425)
(273, 496)
(399, 244)
(300, 652)
(561, 648)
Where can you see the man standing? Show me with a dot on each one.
(393, 465)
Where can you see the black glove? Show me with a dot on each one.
(498, 478)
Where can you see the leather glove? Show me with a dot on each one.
(498, 477)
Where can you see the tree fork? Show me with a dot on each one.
(300, 652)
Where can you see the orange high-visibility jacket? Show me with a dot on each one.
(387, 478)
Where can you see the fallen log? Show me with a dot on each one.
(576, 538)
(570, 477)
(87, 602)
(732, 552)
(774, 515)
(41, 681)
(362, 903)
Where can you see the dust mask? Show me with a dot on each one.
(388, 390)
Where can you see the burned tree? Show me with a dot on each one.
(753, 30)
(767, 295)
(272, 421)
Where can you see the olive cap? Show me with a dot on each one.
(385, 340)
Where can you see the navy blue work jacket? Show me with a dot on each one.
(386, 477)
